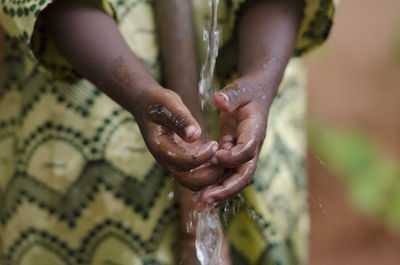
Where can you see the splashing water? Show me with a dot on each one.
(171, 195)
(209, 236)
(209, 230)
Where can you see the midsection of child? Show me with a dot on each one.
(85, 159)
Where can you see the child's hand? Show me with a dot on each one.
(267, 34)
(173, 137)
(244, 106)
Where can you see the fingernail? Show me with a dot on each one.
(214, 160)
(226, 99)
(190, 130)
(210, 200)
(227, 146)
(215, 148)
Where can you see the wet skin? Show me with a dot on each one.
(92, 43)
(267, 34)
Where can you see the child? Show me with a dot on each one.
(80, 185)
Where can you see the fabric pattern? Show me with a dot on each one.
(77, 184)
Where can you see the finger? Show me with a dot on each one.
(173, 114)
(227, 146)
(230, 187)
(228, 130)
(233, 96)
(227, 138)
(246, 145)
(227, 143)
(177, 155)
(200, 177)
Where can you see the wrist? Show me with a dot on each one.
(264, 83)
(142, 97)
(126, 81)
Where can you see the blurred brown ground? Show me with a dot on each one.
(354, 82)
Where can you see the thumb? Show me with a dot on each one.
(232, 96)
(173, 114)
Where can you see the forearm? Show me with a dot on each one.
(267, 35)
(92, 43)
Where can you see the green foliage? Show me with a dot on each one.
(373, 180)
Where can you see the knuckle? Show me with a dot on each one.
(170, 92)
(158, 112)
(178, 121)
(239, 91)
(173, 95)
(233, 93)
(156, 109)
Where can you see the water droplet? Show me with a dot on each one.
(225, 212)
(236, 206)
(169, 153)
(205, 35)
(189, 226)
(267, 63)
(255, 217)
(171, 195)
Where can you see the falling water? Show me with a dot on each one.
(209, 236)
(209, 232)
(211, 37)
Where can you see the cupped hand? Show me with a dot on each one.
(244, 106)
(174, 138)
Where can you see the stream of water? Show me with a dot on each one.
(211, 37)
(209, 236)
(209, 231)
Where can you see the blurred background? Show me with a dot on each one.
(354, 137)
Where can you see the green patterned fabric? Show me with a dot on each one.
(77, 184)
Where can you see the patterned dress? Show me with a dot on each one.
(77, 184)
